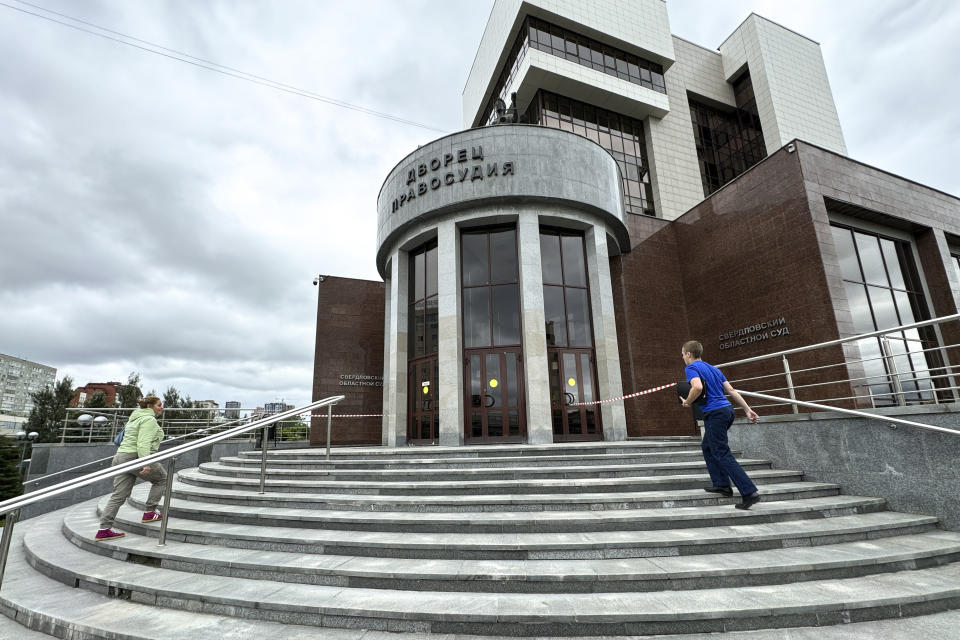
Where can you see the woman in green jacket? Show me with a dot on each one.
(141, 437)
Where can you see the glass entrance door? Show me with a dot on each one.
(423, 415)
(495, 395)
(573, 381)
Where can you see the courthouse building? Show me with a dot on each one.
(616, 191)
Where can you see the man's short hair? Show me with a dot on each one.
(693, 347)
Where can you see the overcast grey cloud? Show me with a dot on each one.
(162, 218)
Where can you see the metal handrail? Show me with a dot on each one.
(165, 441)
(854, 412)
(11, 508)
(830, 343)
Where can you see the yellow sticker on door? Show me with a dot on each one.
(493, 383)
(571, 382)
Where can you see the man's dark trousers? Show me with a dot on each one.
(721, 464)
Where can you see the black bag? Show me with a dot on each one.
(683, 390)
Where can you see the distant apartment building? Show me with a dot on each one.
(232, 410)
(83, 395)
(18, 379)
(276, 407)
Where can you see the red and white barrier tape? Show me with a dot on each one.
(629, 395)
(347, 415)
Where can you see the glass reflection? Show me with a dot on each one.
(554, 315)
(503, 256)
(506, 314)
(476, 317)
(550, 259)
(846, 253)
(574, 269)
(578, 318)
(475, 259)
(871, 260)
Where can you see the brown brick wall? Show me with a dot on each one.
(350, 320)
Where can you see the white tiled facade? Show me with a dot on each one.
(790, 82)
(18, 379)
(786, 69)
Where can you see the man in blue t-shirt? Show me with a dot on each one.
(717, 418)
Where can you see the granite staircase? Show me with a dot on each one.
(590, 539)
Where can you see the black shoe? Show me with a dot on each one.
(748, 501)
(726, 492)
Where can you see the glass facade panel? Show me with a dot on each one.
(871, 261)
(846, 252)
(859, 307)
(432, 322)
(728, 141)
(503, 256)
(883, 291)
(555, 315)
(578, 317)
(506, 314)
(569, 45)
(476, 317)
(550, 263)
(422, 316)
(574, 267)
(621, 135)
(475, 259)
(431, 275)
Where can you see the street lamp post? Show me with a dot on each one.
(24, 439)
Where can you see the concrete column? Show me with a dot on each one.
(450, 348)
(395, 360)
(536, 375)
(605, 335)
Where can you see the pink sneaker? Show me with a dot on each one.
(151, 516)
(108, 534)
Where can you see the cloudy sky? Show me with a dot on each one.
(163, 218)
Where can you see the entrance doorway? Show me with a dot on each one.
(423, 414)
(492, 354)
(573, 381)
(569, 331)
(494, 411)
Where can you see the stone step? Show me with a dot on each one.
(471, 462)
(187, 489)
(481, 451)
(778, 566)
(668, 517)
(531, 486)
(817, 602)
(63, 611)
(477, 473)
(291, 530)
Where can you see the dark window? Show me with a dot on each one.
(566, 302)
(423, 324)
(491, 292)
(883, 291)
(621, 135)
(728, 142)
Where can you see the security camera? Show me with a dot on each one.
(318, 280)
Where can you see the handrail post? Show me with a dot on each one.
(63, 434)
(263, 460)
(894, 374)
(329, 420)
(167, 492)
(8, 523)
(789, 376)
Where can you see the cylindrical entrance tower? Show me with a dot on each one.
(494, 244)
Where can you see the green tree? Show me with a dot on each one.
(97, 401)
(128, 394)
(10, 481)
(49, 410)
